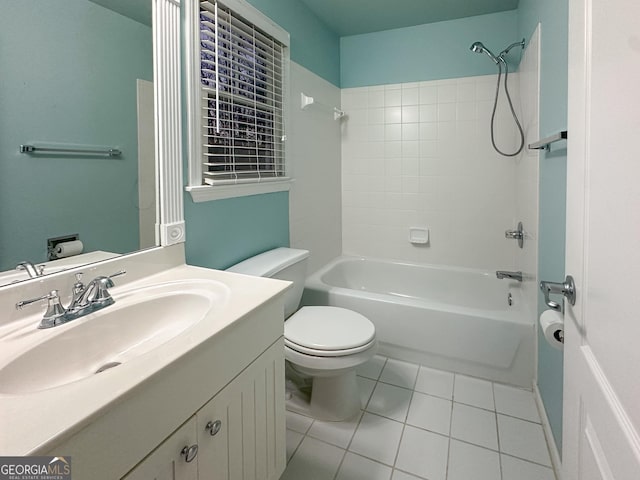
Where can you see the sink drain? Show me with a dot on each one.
(107, 366)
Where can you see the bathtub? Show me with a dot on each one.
(456, 319)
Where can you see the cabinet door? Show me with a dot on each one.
(168, 462)
(241, 431)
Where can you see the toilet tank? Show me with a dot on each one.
(281, 263)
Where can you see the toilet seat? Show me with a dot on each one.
(328, 332)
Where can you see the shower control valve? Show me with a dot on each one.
(516, 234)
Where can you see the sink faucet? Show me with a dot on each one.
(94, 296)
(85, 300)
(512, 275)
(31, 269)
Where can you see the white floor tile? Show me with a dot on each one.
(293, 440)
(470, 462)
(430, 413)
(474, 425)
(298, 423)
(473, 391)
(402, 374)
(377, 438)
(457, 428)
(435, 382)
(365, 388)
(355, 467)
(523, 439)
(423, 453)
(372, 368)
(335, 433)
(314, 460)
(516, 402)
(516, 469)
(390, 401)
(398, 475)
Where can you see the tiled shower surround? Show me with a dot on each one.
(419, 154)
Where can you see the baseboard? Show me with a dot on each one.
(551, 442)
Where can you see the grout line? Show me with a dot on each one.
(335, 476)
(297, 446)
(519, 418)
(453, 389)
(495, 412)
(528, 461)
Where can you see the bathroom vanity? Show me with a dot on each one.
(206, 401)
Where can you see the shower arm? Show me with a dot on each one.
(508, 49)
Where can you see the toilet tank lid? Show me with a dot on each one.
(269, 263)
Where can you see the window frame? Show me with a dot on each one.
(198, 191)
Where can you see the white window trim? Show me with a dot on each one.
(203, 193)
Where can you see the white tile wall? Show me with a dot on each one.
(419, 154)
(314, 152)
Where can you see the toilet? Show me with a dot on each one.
(323, 344)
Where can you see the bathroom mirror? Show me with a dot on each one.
(79, 74)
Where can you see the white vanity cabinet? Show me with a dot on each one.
(168, 462)
(239, 433)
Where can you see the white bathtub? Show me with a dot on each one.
(450, 318)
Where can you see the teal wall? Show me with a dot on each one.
(553, 17)
(313, 44)
(224, 232)
(425, 52)
(221, 233)
(69, 71)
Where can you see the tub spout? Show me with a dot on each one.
(512, 275)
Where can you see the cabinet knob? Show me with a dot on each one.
(189, 452)
(213, 427)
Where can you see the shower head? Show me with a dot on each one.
(478, 47)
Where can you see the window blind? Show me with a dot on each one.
(241, 73)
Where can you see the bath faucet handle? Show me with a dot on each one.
(517, 234)
(54, 309)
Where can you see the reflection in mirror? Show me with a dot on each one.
(76, 73)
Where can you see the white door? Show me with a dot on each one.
(602, 337)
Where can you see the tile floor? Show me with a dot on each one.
(420, 423)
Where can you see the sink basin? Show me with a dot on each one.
(141, 320)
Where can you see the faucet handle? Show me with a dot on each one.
(54, 309)
(117, 274)
(102, 284)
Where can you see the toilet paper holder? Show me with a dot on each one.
(568, 289)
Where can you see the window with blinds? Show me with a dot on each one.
(241, 82)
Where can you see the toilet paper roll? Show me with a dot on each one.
(68, 249)
(552, 324)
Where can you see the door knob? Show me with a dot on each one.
(568, 289)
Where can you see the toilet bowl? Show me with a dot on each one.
(323, 343)
(327, 344)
